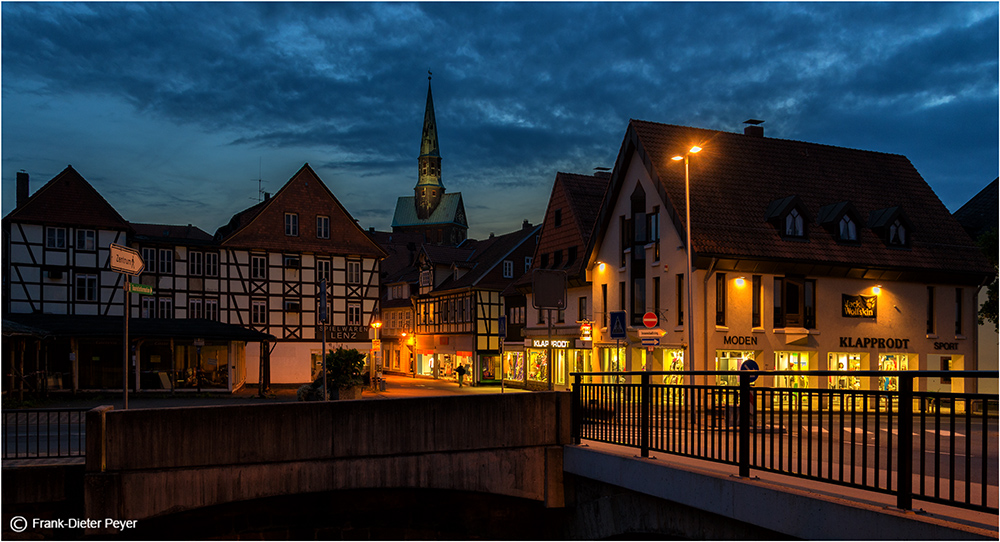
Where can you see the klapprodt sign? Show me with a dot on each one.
(125, 260)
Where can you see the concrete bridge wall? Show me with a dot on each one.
(145, 463)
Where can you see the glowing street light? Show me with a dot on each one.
(690, 279)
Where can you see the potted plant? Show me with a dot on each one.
(343, 374)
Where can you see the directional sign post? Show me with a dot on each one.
(127, 261)
(141, 289)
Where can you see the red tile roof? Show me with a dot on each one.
(736, 177)
(68, 200)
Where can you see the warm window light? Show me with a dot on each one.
(740, 281)
(877, 289)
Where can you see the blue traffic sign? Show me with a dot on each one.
(750, 365)
(618, 325)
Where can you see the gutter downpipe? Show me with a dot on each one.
(704, 311)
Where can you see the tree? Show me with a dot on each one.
(988, 242)
(344, 368)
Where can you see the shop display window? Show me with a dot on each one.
(730, 360)
(538, 366)
(891, 362)
(791, 361)
(513, 366)
(840, 361)
(673, 360)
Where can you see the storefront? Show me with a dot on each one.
(569, 354)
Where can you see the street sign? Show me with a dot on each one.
(650, 333)
(618, 325)
(376, 345)
(649, 319)
(548, 288)
(750, 365)
(648, 341)
(140, 289)
(125, 260)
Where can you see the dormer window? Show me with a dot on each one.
(848, 231)
(897, 233)
(794, 225)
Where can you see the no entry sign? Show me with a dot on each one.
(649, 319)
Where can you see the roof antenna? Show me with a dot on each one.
(260, 182)
(429, 75)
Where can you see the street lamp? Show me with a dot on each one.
(690, 279)
(376, 367)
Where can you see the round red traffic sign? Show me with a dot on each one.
(649, 319)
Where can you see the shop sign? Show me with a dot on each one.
(348, 333)
(945, 346)
(874, 342)
(740, 340)
(537, 343)
(859, 306)
(585, 331)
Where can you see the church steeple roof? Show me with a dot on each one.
(429, 138)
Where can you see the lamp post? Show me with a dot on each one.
(690, 278)
(376, 370)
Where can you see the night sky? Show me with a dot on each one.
(174, 110)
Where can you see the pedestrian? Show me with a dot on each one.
(461, 373)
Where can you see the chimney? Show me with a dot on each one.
(753, 128)
(526, 225)
(267, 196)
(22, 188)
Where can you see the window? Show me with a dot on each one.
(86, 287)
(211, 264)
(55, 237)
(582, 308)
(557, 259)
(958, 311)
(545, 260)
(166, 307)
(755, 311)
(292, 261)
(621, 295)
(258, 267)
(508, 269)
(527, 263)
(258, 311)
(794, 302)
(354, 314)
(212, 309)
(353, 272)
(425, 278)
(720, 299)
(149, 259)
(292, 224)
(196, 263)
(166, 261)
(680, 299)
(897, 233)
(323, 270)
(604, 303)
(323, 227)
(623, 239)
(848, 231)
(930, 310)
(558, 218)
(195, 309)
(561, 315)
(292, 305)
(148, 307)
(794, 224)
(638, 300)
(653, 229)
(571, 255)
(86, 240)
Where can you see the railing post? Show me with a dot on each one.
(644, 416)
(744, 426)
(904, 459)
(575, 413)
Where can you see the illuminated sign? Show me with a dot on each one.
(859, 306)
(539, 343)
(347, 333)
(874, 342)
(585, 331)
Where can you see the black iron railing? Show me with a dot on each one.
(44, 433)
(933, 446)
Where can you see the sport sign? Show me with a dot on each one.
(125, 260)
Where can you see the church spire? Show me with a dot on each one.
(429, 189)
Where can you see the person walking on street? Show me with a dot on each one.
(461, 373)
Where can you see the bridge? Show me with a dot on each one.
(537, 450)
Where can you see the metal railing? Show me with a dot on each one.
(934, 446)
(44, 433)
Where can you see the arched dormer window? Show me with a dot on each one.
(893, 226)
(794, 224)
(848, 230)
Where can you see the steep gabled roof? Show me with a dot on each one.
(68, 200)
(579, 198)
(736, 176)
(262, 226)
(170, 233)
(979, 214)
(487, 257)
(451, 210)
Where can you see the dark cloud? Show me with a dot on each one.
(521, 90)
